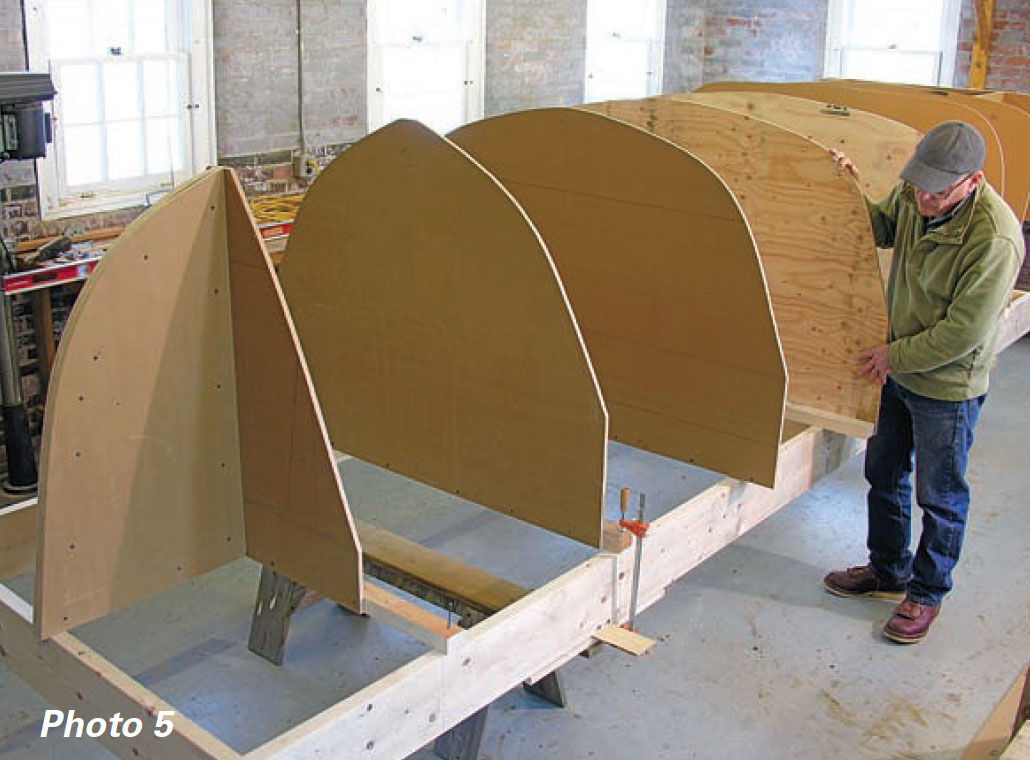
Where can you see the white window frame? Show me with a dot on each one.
(198, 94)
(839, 13)
(475, 64)
(655, 58)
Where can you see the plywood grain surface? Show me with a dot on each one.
(919, 111)
(879, 146)
(813, 235)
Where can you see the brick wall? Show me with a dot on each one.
(684, 45)
(255, 50)
(1008, 65)
(769, 40)
(535, 54)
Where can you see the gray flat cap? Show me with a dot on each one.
(947, 153)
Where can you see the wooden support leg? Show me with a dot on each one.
(549, 688)
(462, 742)
(277, 599)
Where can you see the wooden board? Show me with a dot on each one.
(71, 675)
(663, 277)
(1015, 320)
(439, 336)
(296, 515)
(549, 626)
(624, 639)
(812, 230)
(879, 146)
(921, 112)
(395, 716)
(1019, 749)
(140, 467)
(1011, 124)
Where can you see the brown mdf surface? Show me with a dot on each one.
(663, 277)
(439, 336)
(140, 468)
(296, 515)
(813, 235)
(879, 146)
(1019, 100)
(920, 111)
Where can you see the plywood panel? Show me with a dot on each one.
(663, 277)
(1011, 124)
(140, 475)
(921, 112)
(438, 334)
(297, 520)
(878, 145)
(813, 234)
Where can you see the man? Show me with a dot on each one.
(957, 251)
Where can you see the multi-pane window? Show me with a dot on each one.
(909, 41)
(625, 46)
(130, 120)
(425, 62)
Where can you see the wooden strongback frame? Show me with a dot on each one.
(393, 717)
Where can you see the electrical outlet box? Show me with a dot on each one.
(304, 166)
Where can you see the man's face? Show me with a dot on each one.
(935, 204)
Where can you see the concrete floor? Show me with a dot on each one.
(754, 658)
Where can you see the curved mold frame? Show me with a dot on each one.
(663, 277)
(144, 470)
(812, 231)
(879, 146)
(439, 335)
(922, 112)
(1010, 123)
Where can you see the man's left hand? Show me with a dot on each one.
(875, 365)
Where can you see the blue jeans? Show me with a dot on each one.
(940, 433)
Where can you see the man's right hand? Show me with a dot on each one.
(844, 164)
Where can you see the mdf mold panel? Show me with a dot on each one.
(663, 277)
(439, 336)
(297, 519)
(879, 146)
(177, 358)
(140, 476)
(812, 230)
(922, 112)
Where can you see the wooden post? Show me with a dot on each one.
(278, 598)
(549, 688)
(462, 742)
(981, 44)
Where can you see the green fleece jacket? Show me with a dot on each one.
(947, 291)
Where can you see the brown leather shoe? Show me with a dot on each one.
(862, 581)
(910, 622)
